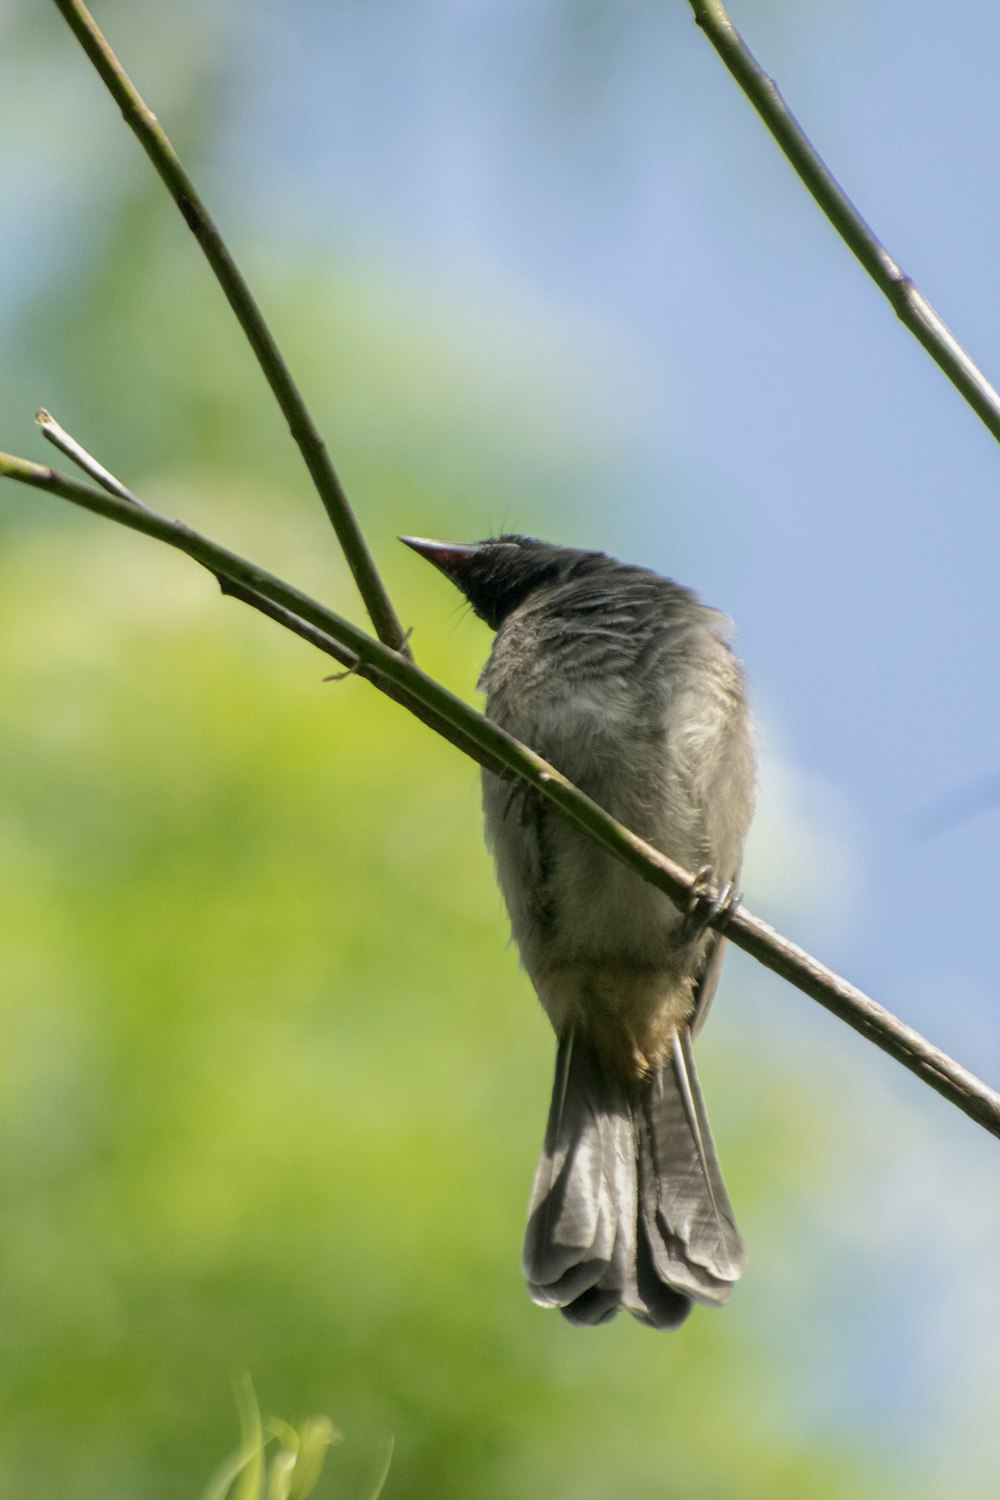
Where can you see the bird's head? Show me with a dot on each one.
(498, 574)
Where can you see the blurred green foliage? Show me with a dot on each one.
(276, 1461)
(271, 1085)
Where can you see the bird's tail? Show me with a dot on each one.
(628, 1207)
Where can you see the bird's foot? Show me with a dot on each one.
(706, 904)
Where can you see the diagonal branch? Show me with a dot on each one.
(153, 139)
(396, 674)
(354, 666)
(909, 303)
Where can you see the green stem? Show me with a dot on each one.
(396, 674)
(153, 139)
(909, 304)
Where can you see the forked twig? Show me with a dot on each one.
(154, 141)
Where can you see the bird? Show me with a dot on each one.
(628, 685)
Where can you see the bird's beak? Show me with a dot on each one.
(450, 557)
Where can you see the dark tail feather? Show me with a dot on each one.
(571, 1222)
(693, 1239)
(628, 1207)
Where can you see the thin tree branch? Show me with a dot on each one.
(909, 303)
(153, 139)
(66, 443)
(394, 673)
(355, 667)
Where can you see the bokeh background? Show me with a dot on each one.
(271, 1084)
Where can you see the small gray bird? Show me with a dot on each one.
(626, 683)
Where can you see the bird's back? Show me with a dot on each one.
(627, 684)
